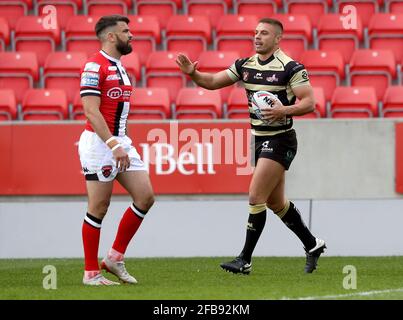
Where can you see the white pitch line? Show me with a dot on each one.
(365, 293)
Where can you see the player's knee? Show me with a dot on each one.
(254, 199)
(100, 207)
(275, 206)
(146, 202)
(279, 208)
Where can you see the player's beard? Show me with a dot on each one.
(123, 47)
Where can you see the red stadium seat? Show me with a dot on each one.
(365, 8)
(213, 9)
(106, 7)
(332, 34)
(131, 62)
(163, 72)
(162, 9)
(77, 112)
(80, 35)
(12, 10)
(65, 9)
(216, 61)
(354, 102)
(150, 103)
(393, 102)
(198, 103)
(44, 104)
(394, 6)
(297, 32)
(236, 33)
(320, 105)
(376, 68)
(262, 8)
(237, 107)
(325, 69)
(8, 105)
(312, 8)
(385, 31)
(147, 35)
(32, 35)
(191, 34)
(18, 71)
(4, 34)
(320, 102)
(62, 71)
(291, 52)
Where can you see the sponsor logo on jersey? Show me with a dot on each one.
(258, 76)
(113, 77)
(127, 93)
(114, 93)
(89, 79)
(92, 66)
(273, 78)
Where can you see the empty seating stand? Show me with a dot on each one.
(44, 104)
(354, 102)
(198, 103)
(150, 103)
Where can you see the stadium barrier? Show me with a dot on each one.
(337, 159)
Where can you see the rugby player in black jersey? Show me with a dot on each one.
(274, 139)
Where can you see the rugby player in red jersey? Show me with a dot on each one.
(106, 152)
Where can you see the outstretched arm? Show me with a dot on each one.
(205, 80)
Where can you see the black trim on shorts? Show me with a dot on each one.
(91, 177)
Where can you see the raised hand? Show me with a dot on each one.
(184, 63)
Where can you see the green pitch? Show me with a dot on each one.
(203, 279)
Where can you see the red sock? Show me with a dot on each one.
(91, 232)
(128, 226)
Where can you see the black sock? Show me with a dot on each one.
(254, 229)
(293, 221)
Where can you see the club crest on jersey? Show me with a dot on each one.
(245, 76)
(114, 93)
(112, 68)
(106, 171)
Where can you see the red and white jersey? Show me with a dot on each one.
(104, 76)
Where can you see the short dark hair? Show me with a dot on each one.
(109, 21)
(273, 22)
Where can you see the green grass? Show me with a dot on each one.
(203, 279)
